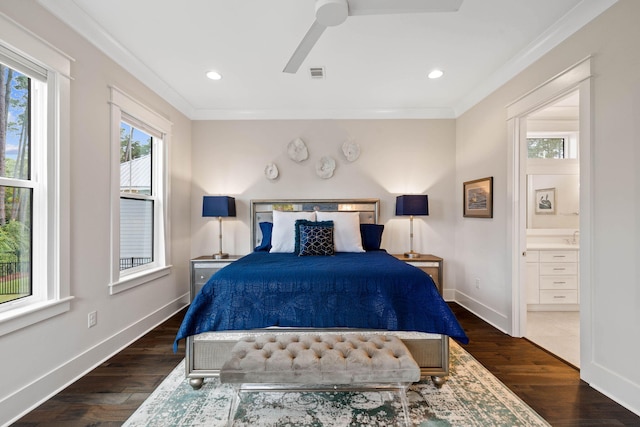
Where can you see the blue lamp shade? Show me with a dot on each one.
(218, 206)
(413, 204)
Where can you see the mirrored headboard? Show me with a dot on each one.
(261, 210)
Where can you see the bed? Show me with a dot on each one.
(356, 288)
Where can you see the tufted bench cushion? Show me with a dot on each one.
(320, 359)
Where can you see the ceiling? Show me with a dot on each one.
(375, 66)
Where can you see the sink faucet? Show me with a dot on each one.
(575, 234)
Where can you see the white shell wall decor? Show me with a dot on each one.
(271, 171)
(297, 150)
(325, 167)
(351, 150)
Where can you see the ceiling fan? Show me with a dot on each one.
(330, 13)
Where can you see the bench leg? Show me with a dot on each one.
(235, 401)
(405, 404)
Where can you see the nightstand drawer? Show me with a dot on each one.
(430, 264)
(202, 274)
(202, 268)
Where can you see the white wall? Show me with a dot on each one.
(397, 157)
(39, 360)
(609, 350)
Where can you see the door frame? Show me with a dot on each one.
(577, 77)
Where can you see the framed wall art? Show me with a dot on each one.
(478, 198)
(545, 201)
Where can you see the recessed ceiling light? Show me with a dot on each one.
(435, 74)
(214, 75)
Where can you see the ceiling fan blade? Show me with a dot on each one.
(303, 49)
(388, 7)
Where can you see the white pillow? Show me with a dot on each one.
(283, 235)
(346, 230)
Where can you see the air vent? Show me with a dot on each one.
(316, 72)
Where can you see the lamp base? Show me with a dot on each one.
(411, 255)
(220, 255)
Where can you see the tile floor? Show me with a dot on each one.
(557, 332)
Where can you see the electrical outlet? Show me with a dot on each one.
(92, 319)
(477, 283)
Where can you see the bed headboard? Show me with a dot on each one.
(261, 210)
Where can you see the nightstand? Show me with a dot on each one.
(203, 267)
(430, 264)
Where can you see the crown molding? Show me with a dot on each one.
(583, 13)
(75, 17)
(69, 12)
(325, 114)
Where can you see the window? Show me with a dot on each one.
(34, 180)
(136, 197)
(16, 185)
(139, 217)
(548, 145)
(545, 148)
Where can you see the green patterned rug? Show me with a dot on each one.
(472, 396)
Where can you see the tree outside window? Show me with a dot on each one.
(546, 148)
(15, 187)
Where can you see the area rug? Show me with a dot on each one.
(472, 396)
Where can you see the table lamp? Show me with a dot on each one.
(411, 205)
(220, 206)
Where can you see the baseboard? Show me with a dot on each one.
(449, 295)
(34, 394)
(488, 314)
(603, 379)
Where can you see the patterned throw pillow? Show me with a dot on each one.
(316, 240)
(300, 222)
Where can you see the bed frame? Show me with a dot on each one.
(207, 352)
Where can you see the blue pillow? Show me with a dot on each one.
(316, 240)
(265, 245)
(371, 236)
(300, 222)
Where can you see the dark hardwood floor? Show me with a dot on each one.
(109, 394)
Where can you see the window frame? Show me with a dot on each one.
(127, 109)
(50, 150)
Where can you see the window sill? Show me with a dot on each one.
(19, 318)
(138, 279)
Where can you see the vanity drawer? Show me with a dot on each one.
(558, 282)
(558, 297)
(558, 268)
(202, 274)
(558, 256)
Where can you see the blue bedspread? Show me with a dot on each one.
(371, 290)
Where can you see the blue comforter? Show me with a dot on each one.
(371, 290)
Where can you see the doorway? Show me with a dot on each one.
(552, 172)
(574, 80)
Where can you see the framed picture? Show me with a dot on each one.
(545, 201)
(478, 198)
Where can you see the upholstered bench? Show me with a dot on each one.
(320, 362)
